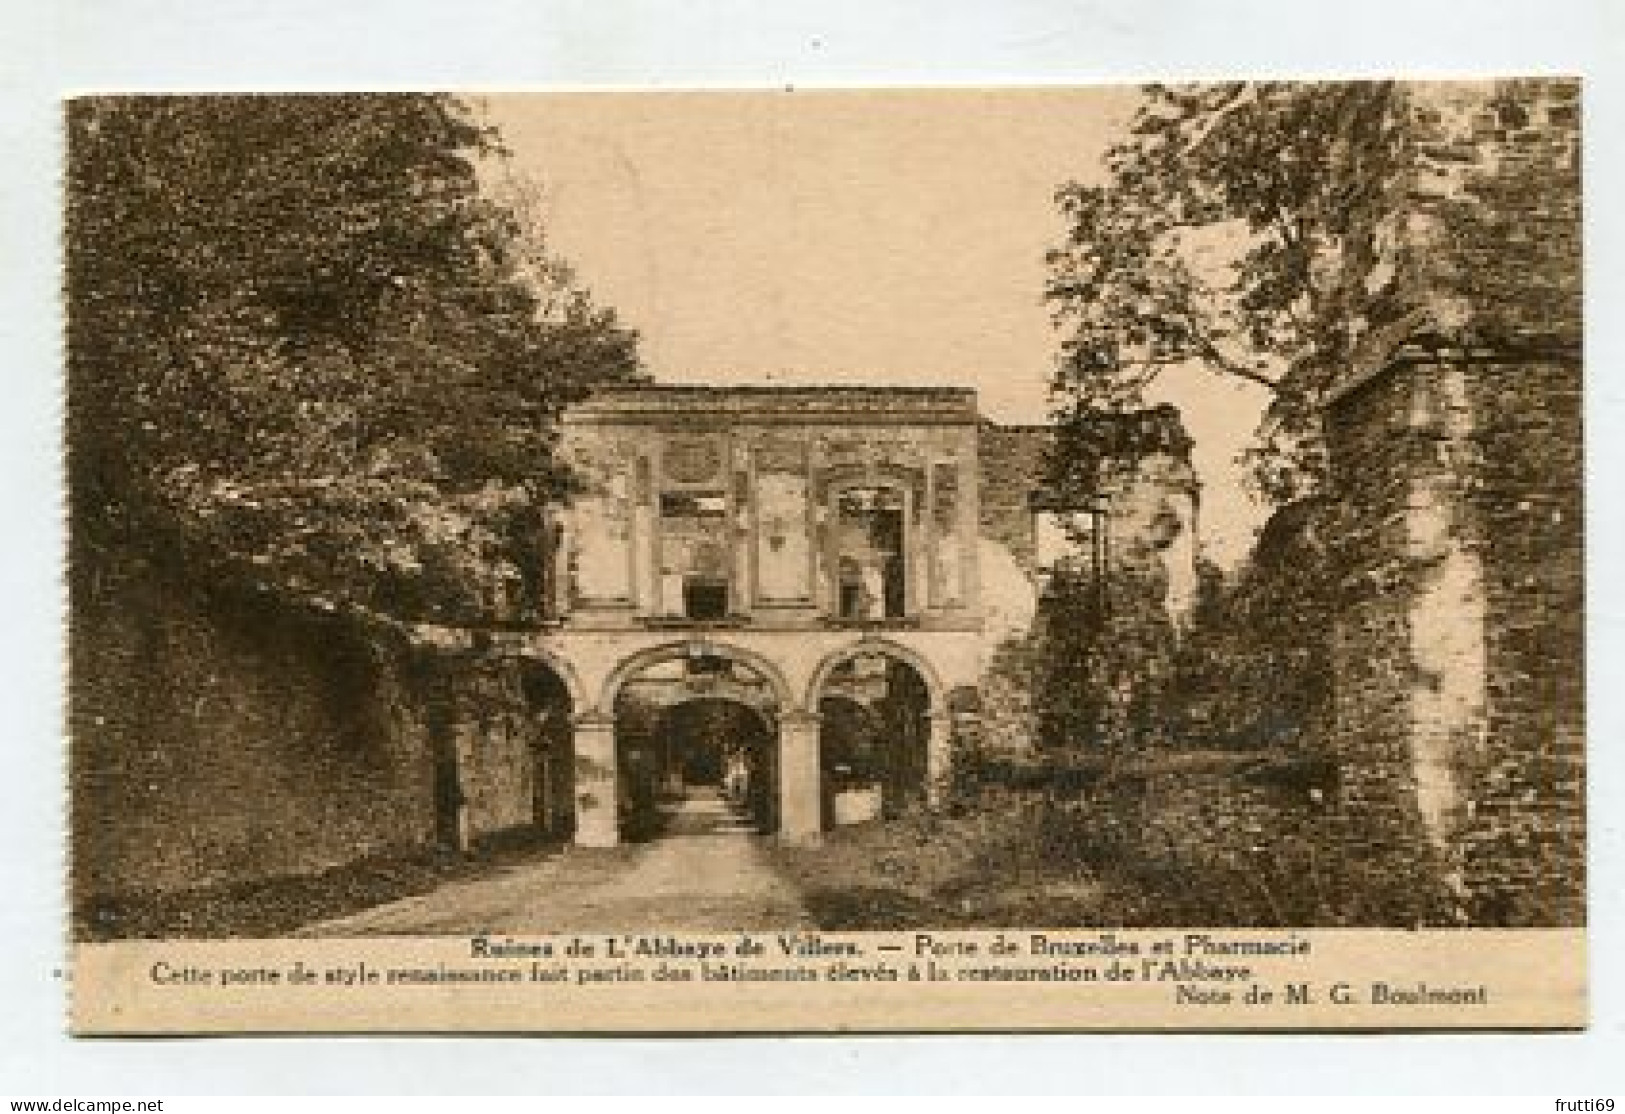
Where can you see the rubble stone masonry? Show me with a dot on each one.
(1457, 461)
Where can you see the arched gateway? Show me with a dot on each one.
(795, 567)
(694, 715)
(845, 726)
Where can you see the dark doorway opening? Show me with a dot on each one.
(552, 751)
(874, 735)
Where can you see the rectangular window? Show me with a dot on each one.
(871, 559)
(695, 554)
(693, 504)
(705, 598)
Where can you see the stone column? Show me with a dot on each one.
(801, 790)
(939, 758)
(465, 747)
(596, 788)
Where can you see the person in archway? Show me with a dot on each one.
(736, 776)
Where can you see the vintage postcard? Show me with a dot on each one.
(837, 560)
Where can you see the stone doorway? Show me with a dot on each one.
(875, 738)
(697, 725)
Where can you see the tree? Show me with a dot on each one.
(1241, 230)
(299, 329)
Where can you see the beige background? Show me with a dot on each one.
(413, 43)
(880, 236)
(1535, 979)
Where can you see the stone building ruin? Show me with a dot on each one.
(1457, 464)
(790, 591)
(837, 561)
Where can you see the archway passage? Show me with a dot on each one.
(696, 743)
(552, 753)
(722, 746)
(874, 739)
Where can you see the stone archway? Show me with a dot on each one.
(897, 749)
(550, 695)
(562, 670)
(693, 649)
(624, 750)
(937, 693)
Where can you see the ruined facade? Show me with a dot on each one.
(793, 593)
(838, 561)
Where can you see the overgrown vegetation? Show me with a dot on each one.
(1239, 232)
(1113, 698)
(1122, 843)
(1254, 669)
(279, 906)
(301, 328)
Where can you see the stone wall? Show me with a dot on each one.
(1525, 845)
(220, 737)
(1012, 466)
(1152, 501)
(1459, 653)
(1373, 450)
(1490, 232)
(228, 735)
(1457, 463)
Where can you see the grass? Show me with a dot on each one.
(973, 867)
(1099, 853)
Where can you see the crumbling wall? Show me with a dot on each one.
(1151, 507)
(1012, 466)
(1524, 850)
(1459, 657)
(1073, 673)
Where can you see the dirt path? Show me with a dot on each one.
(708, 871)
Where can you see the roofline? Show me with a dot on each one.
(780, 389)
(760, 402)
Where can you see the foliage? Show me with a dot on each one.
(1287, 868)
(293, 319)
(1105, 852)
(1105, 667)
(1007, 722)
(1255, 668)
(1238, 232)
(1098, 666)
(1092, 447)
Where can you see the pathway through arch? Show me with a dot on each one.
(709, 871)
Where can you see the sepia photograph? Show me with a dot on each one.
(1014, 527)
